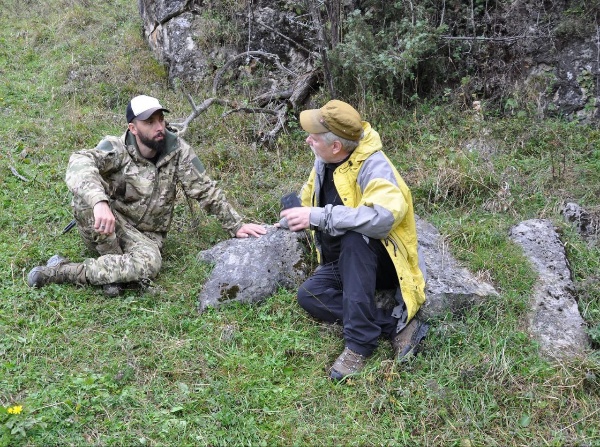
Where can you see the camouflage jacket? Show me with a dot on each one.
(140, 190)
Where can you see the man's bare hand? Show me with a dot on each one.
(297, 218)
(251, 229)
(104, 219)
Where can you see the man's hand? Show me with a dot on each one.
(251, 229)
(104, 219)
(297, 218)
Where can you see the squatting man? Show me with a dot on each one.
(361, 214)
(123, 198)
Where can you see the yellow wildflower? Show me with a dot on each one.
(15, 409)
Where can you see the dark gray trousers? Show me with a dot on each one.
(344, 292)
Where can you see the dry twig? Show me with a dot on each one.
(279, 102)
(16, 174)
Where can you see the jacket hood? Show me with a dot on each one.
(369, 144)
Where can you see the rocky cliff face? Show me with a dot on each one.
(542, 54)
(192, 37)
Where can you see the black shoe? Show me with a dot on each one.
(406, 342)
(58, 270)
(112, 290)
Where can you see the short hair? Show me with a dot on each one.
(348, 145)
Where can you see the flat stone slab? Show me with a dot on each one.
(554, 318)
(450, 287)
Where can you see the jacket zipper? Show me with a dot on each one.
(397, 246)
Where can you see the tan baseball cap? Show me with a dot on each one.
(335, 116)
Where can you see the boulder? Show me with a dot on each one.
(585, 222)
(450, 287)
(252, 269)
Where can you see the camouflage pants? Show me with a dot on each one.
(127, 255)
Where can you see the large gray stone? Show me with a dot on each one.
(554, 318)
(450, 288)
(252, 269)
(187, 36)
(585, 222)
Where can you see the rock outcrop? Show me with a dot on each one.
(250, 270)
(528, 50)
(586, 223)
(554, 318)
(451, 288)
(190, 38)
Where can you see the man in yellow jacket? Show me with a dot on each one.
(361, 213)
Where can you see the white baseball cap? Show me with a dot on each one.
(141, 107)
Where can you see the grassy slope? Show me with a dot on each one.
(147, 369)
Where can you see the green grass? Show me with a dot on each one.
(147, 369)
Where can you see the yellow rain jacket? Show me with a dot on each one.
(376, 203)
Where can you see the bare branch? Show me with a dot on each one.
(493, 39)
(16, 174)
(236, 58)
(272, 96)
(301, 89)
(270, 136)
(278, 102)
(197, 110)
(250, 110)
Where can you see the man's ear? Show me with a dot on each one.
(132, 128)
(337, 147)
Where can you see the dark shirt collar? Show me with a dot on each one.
(333, 166)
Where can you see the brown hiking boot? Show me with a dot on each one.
(348, 363)
(57, 270)
(406, 342)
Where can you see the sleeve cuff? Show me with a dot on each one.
(98, 198)
(316, 217)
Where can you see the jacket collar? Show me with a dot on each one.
(369, 144)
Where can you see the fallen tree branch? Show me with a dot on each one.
(493, 39)
(236, 58)
(197, 110)
(250, 110)
(266, 98)
(279, 102)
(269, 138)
(16, 174)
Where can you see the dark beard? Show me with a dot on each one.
(155, 145)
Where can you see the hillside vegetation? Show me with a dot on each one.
(78, 368)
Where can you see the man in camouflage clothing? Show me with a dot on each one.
(123, 199)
